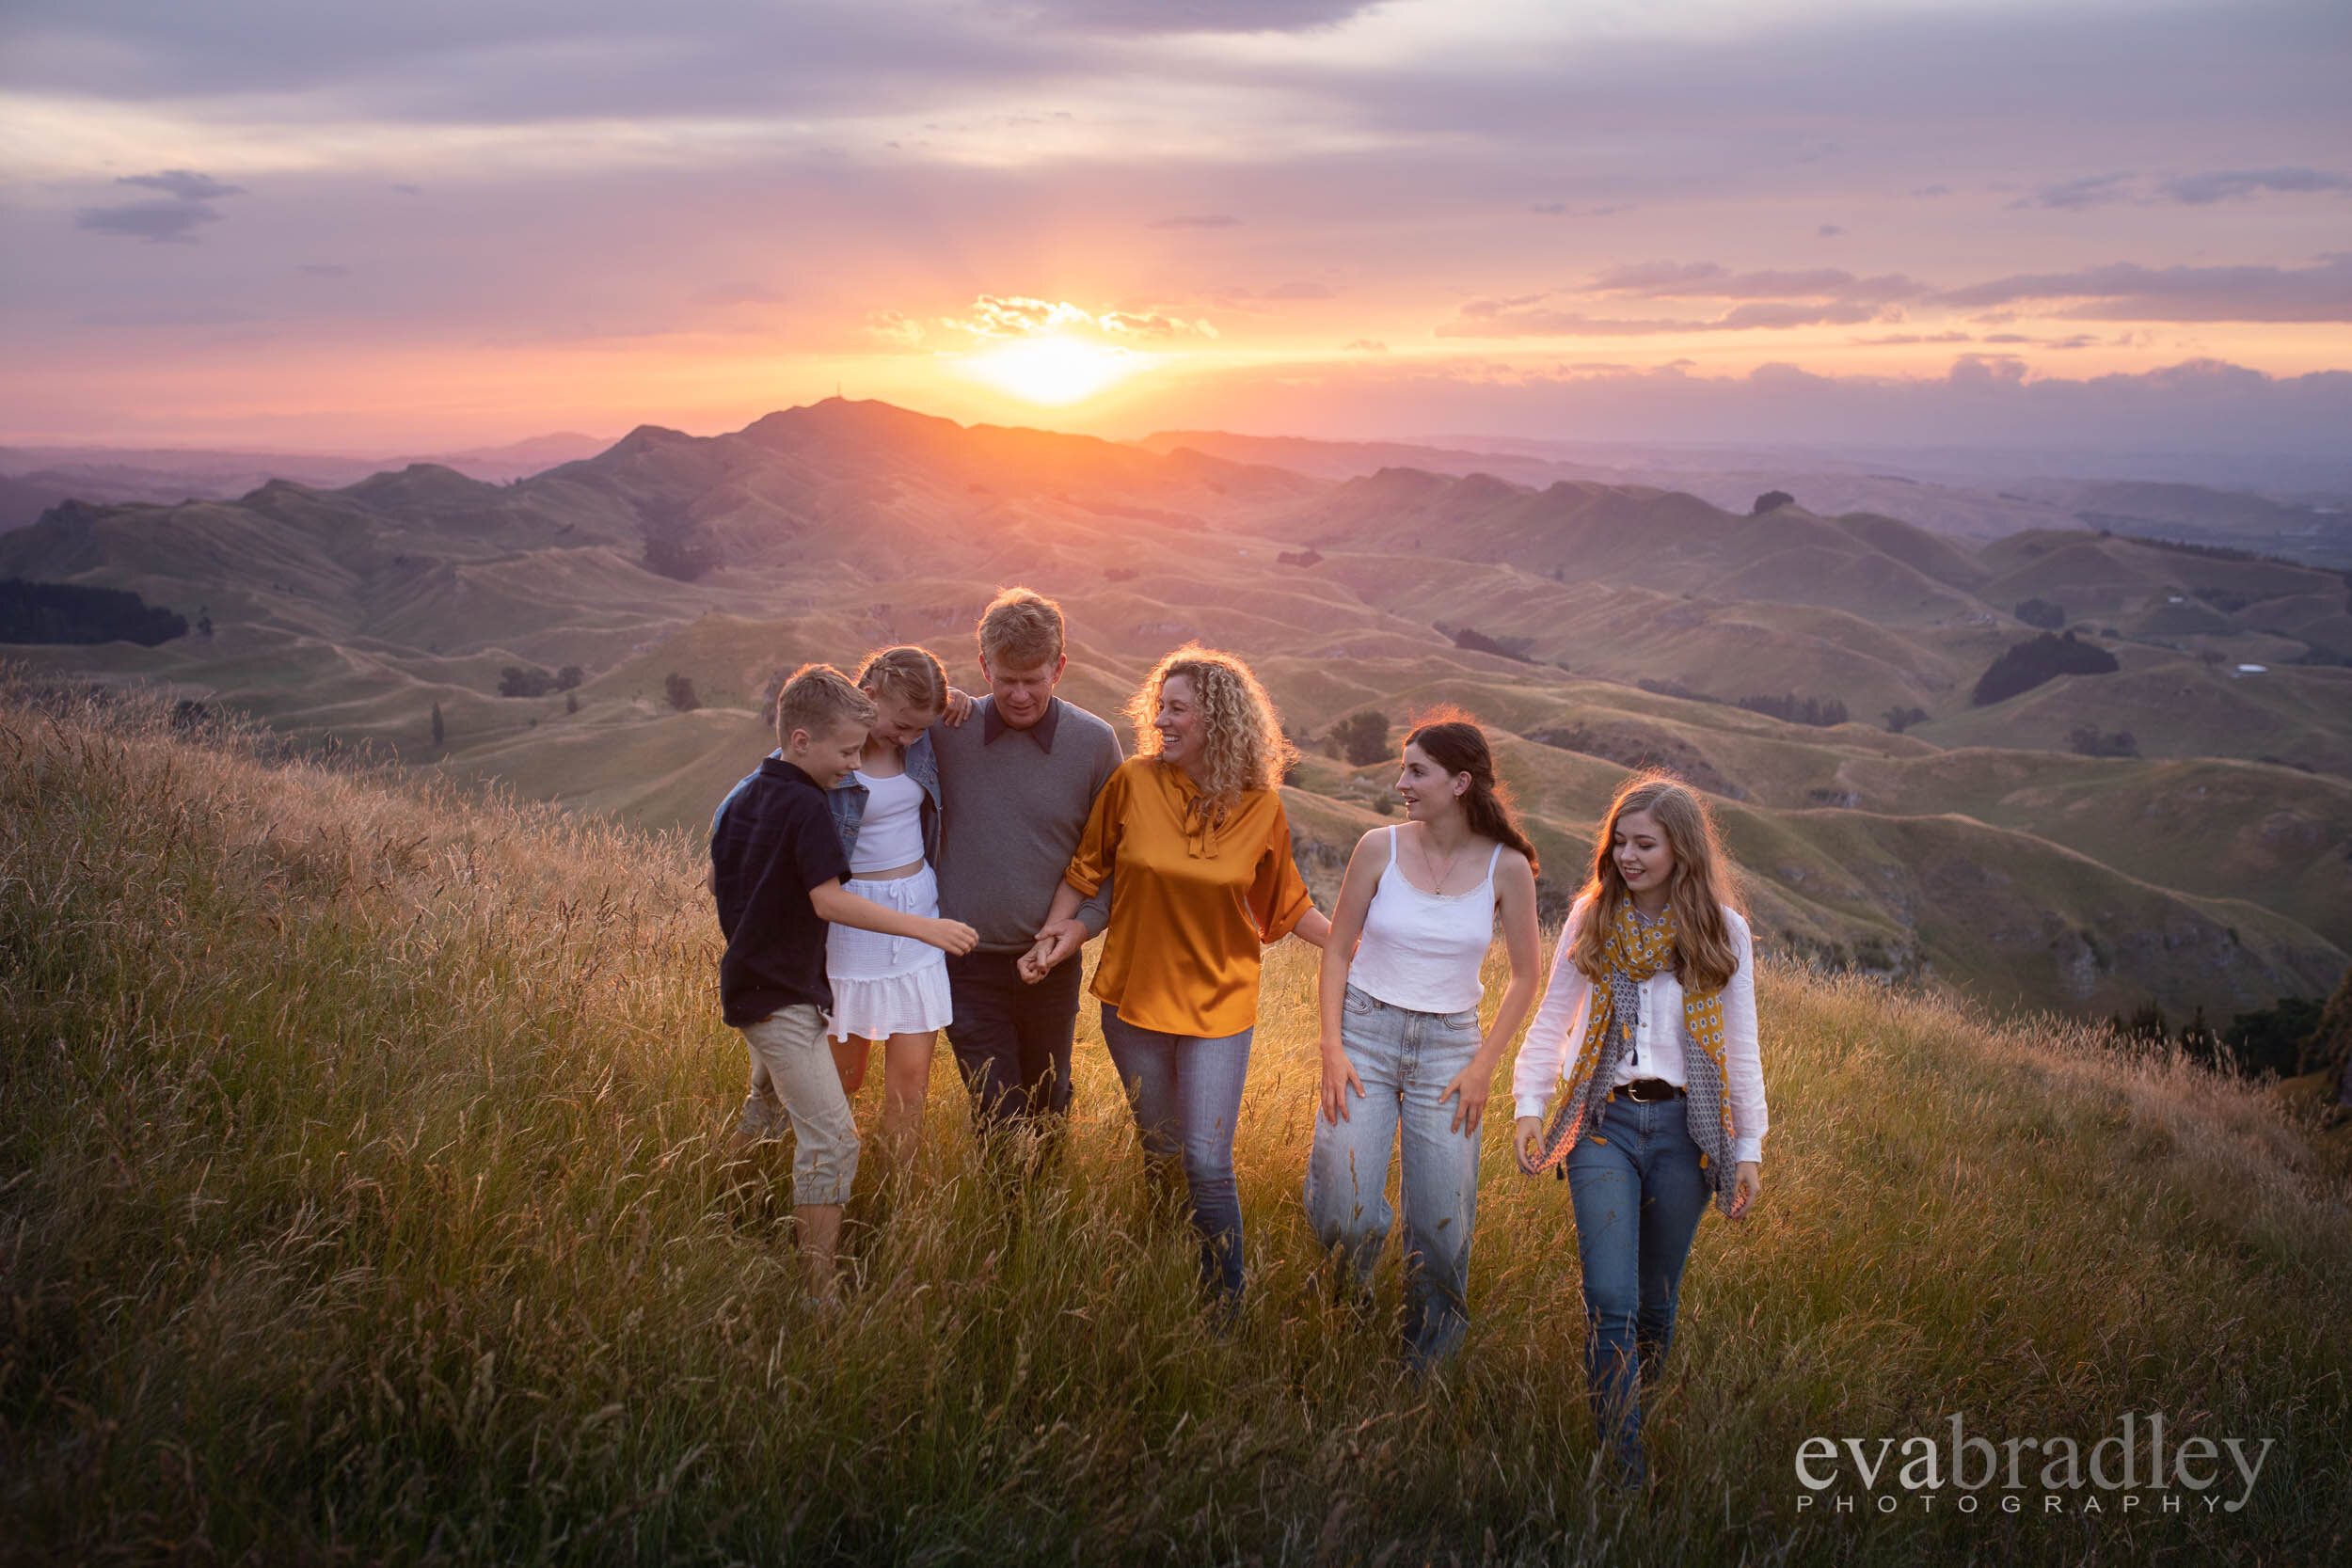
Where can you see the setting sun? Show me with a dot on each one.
(1054, 370)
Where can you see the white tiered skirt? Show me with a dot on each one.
(883, 984)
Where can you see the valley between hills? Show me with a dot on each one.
(2202, 858)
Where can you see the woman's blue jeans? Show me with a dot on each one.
(1639, 1193)
(1406, 1060)
(1186, 1092)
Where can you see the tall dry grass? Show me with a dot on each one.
(361, 1199)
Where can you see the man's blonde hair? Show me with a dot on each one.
(817, 699)
(1021, 629)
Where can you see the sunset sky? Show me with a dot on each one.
(315, 224)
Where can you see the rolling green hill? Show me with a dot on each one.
(1974, 850)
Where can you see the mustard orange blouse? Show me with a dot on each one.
(1191, 905)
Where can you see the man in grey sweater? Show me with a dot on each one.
(1017, 779)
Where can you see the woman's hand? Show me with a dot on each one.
(1527, 1136)
(1473, 1084)
(1339, 1076)
(1747, 1185)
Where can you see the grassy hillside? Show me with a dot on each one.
(360, 1195)
(820, 533)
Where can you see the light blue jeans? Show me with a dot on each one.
(1186, 1092)
(1639, 1193)
(1406, 1060)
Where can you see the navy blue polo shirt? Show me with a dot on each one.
(772, 841)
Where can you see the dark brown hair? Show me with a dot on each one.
(1454, 742)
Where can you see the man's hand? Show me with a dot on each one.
(1057, 941)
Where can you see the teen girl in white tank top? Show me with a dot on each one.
(1422, 951)
(1401, 1049)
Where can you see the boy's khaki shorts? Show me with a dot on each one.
(792, 1064)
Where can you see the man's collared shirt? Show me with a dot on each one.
(992, 725)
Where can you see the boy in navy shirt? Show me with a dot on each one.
(776, 868)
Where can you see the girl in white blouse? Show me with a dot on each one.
(1650, 1018)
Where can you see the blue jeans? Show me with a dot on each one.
(1406, 1060)
(1639, 1193)
(1186, 1092)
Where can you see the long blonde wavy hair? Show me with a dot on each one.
(1242, 744)
(1701, 882)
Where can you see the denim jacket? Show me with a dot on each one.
(848, 800)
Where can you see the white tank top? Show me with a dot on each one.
(890, 833)
(1422, 951)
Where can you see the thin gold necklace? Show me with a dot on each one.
(1450, 860)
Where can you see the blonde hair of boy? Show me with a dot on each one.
(911, 675)
(1021, 629)
(818, 700)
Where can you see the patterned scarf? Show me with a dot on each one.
(1635, 950)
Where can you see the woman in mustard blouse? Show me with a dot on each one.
(1191, 835)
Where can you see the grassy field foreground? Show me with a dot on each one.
(361, 1198)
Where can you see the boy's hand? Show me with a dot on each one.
(953, 936)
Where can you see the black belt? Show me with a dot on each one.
(1648, 1091)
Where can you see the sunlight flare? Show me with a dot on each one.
(1056, 371)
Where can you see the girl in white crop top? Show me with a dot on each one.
(1401, 1048)
(887, 989)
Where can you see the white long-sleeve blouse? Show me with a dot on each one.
(1549, 1053)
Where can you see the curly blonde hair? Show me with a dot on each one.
(1241, 740)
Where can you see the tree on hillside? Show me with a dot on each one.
(571, 701)
(1771, 500)
(66, 613)
(1899, 719)
(2088, 742)
(569, 676)
(1820, 712)
(2042, 613)
(439, 734)
(2329, 1046)
(526, 680)
(1360, 739)
(680, 691)
(2026, 665)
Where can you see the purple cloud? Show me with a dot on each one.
(2127, 292)
(156, 222)
(2198, 190)
(2074, 196)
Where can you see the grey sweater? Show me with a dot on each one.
(1012, 813)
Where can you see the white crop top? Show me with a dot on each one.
(890, 832)
(1422, 951)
